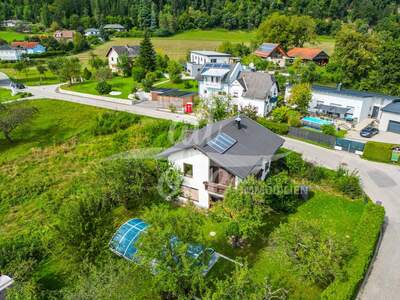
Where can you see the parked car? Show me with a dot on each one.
(369, 132)
(17, 85)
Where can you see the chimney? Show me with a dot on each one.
(238, 120)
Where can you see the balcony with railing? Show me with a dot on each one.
(220, 180)
(215, 188)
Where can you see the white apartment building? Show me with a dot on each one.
(199, 58)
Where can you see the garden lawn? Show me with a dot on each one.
(180, 86)
(5, 95)
(10, 36)
(31, 76)
(355, 220)
(324, 42)
(380, 152)
(119, 84)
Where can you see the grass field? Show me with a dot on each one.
(179, 45)
(119, 84)
(10, 36)
(5, 95)
(31, 76)
(326, 43)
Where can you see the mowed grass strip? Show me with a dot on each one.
(5, 95)
(10, 36)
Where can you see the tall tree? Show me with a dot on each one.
(300, 97)
(147, 56)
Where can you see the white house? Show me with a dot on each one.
(92, 32)
(199, 58)
(245, 87)
(389, 119)
(221, 155)
(346, 104)
(9, 53)
(116, 51)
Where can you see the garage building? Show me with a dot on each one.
(390, 117)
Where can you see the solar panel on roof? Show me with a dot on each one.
(222, 142)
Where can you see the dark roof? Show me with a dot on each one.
(393, 107)
(216, 66)
(257, 85)
(131, 51)
(332, 109)
(254, 145)
(351, 93)
(172, 92)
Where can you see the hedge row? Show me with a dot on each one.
(376, 151)
(366, 237)
(278, 128)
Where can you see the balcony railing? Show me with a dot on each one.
(215, 188)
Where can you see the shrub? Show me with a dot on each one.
(110, 122)
(315, 173)
(138, 73)
(86, 74)
(280, 114)
(293, 118)
(295, 164)
(103, 88)
(348, 183)
(281, 193)
(328, 129)
(249, 111)
(187, 84)
(278, 128)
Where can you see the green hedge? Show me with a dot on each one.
(376, 151)
(278, 128)
(366, 237)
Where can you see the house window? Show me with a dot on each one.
(235, 94)
(213, 60)
(188, 170)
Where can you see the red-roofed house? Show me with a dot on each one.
(272, 52)
(310, 54)
(30, 47)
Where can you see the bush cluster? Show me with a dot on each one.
(110, 122)
(278, 128)
(103, 87)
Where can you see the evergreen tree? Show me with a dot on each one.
(147, 56)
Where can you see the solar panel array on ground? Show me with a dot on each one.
(123, 241)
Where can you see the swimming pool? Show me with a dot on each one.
(315, 121)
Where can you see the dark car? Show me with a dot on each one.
(369, 132)
(17, 85)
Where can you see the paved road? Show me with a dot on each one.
(381, 182)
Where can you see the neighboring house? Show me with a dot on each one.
(30, 47)
(245, 87)
(9, 53)
(64, 35)
(116, 51)
(310, 54)
(181, 100)
(114, 27)
(390, 117)
(11, 23)
(221, 155)
(347, 104)
(272, 52)
(92, 32)
(199, 58)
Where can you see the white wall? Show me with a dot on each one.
(201, 171)
(113, 60)
(11, 54)
(385, 118)
(203, 59)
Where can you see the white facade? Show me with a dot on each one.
(199, 58)
(113, 60)
(385, 118)
(11, 54)
(360, 107)
(201, 167)
(211, 86)
(92, 32)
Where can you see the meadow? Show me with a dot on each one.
(10, 36)
(31, 76)
(5, 95)
(178, 46)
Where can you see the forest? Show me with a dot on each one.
(178, 15)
